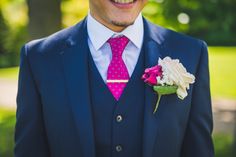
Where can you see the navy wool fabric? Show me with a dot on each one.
(56, 111)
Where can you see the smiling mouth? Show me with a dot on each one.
(123, 1)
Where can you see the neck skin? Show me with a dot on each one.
(111, 26)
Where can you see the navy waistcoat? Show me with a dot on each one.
(118, 125)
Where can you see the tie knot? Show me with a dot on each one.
(118, 45)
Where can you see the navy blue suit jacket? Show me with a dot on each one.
(54, 116)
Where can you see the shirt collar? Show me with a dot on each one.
(99, 34)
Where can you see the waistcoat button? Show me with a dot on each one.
(119, 118)
(118, 148)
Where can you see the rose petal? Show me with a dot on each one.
(151, 80)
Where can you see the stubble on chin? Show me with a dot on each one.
(122, 24)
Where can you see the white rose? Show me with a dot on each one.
(174, 73)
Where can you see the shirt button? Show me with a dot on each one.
(118, 148)
(119, 118)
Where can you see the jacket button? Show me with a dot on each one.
(118, 148)
(119, 118)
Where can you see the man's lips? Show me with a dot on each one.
(123, 1)
(123, 4)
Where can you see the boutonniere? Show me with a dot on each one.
(169, 76)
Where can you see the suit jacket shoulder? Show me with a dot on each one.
(172, 37)
(55, 42)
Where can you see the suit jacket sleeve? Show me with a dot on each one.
(198, 140)
(30, 136)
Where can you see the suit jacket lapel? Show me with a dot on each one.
(75, 58)
(153, 50)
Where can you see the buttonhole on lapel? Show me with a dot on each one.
(70, 42)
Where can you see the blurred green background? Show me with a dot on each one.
(210, 20)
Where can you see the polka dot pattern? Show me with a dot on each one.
(117, 69)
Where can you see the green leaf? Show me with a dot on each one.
(164, 90)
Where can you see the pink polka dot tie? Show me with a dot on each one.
(117, 73)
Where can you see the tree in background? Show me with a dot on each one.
(13, 33)
(3, 28)
(44, 17)
(212, 20)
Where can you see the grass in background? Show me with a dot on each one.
(7, 126)
(223, 145)
(9, 73)
(223, 71)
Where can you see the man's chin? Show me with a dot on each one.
(121, 23)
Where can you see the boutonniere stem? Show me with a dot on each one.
(163, 90)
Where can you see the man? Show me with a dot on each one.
(81, 94)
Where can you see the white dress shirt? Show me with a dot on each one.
(98, 34)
